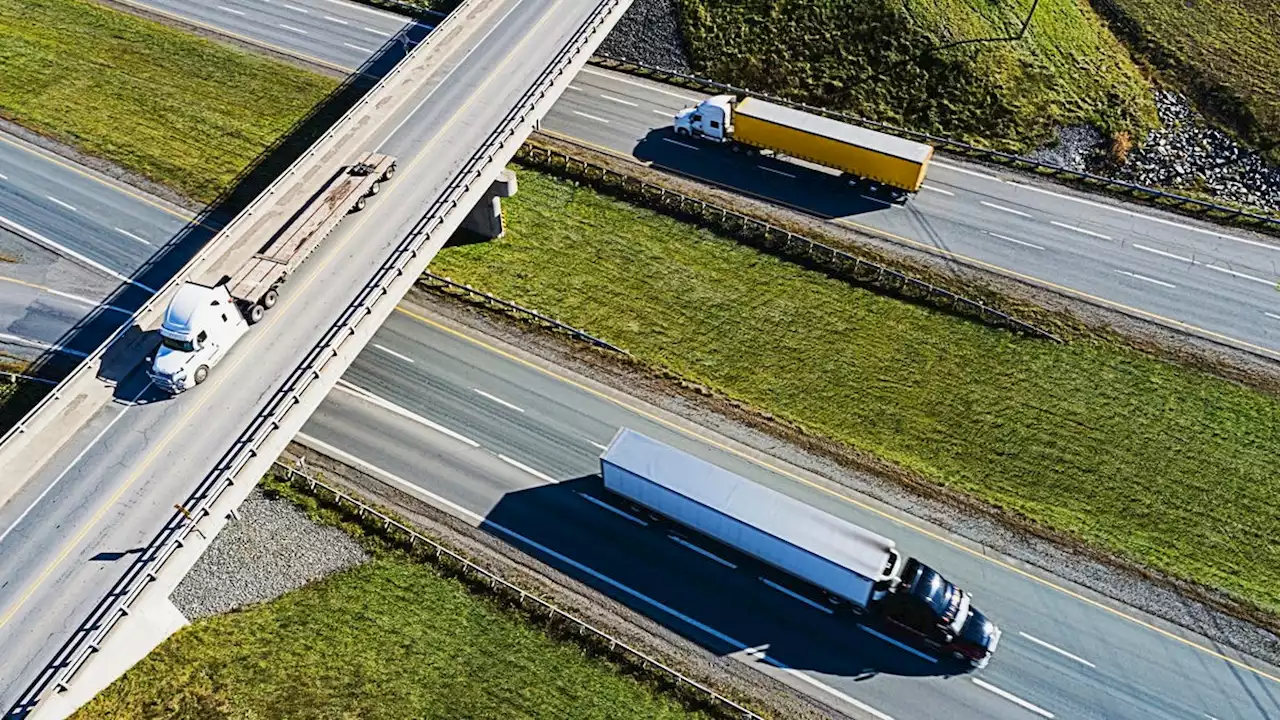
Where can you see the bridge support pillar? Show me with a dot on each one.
(485, 220)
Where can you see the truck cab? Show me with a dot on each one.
(939, 615)
(711, 119)
(200, 326)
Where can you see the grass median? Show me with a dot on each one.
(183, 111)
(1159, 464)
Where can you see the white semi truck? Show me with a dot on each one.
(204, 320)
(852, 567)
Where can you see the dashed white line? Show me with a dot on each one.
(357, 47)
(407, 414)
(1162, 253)
(295, 8)
(40, 344)
(591, 117)
(575, 87)
(1011, 697)
(128, 234)
(620, 101)
(4, 177)
(392, 353)
(1144, 278)
(602, 504)
(497, 399)
(1057, 649)
(677, 142)
(65, 205)
(940, 191)
(966, 171)
(776, 172)
(1273, 316)
(1242, 276)
(294, 29)
(1080, 230)
(704, 553)
(625, 81)
(340, 21)
(1016, 241)
(596, 444)
(796, 595)
(532, 471)
(663, 113)
(1002, 208)
(918, 653)
(376, 31)
(233, 11)
(1193, 261)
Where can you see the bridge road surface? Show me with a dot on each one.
(521, 450)
(69, 533)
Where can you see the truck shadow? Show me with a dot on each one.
(711, 595)
(815, 191)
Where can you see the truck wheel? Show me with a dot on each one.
(269, 298)
(374, 188)
(857, 610)
(202, 372)
(389, 172)
(359, 204)
(256, 311)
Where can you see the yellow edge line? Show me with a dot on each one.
(837, 494)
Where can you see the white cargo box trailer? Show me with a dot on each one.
(836, 556)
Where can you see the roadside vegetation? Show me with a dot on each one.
(16, 398)
(877, 59)
(1159, 464)
(183, 111)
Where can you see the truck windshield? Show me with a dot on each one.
(179, 345)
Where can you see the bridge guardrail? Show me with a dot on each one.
(1090, 181)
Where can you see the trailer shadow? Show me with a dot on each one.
(704, 591)
(817, 191)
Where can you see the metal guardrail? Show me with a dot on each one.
(521, 310)
(1142, 193)
(776, 240)
(317, 360)
(392, 527)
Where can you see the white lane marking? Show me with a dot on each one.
(69, 296)
(620, 101)
(74, 462)
(497, 399)
(340, 21)
(233, 11)
(1162, 253)
(40, 344)
(575, 87)
(295, 8)
(1080, 230)
(886, 203)
(791, 593)
(966, 171)
(4, 177)
(126, 233)
(776, 172)
(704, 553)
(898, 643)
(402, 412)
(1011, 697)
(931, 188)
(536, 473)
(1144, 278)
(1131, 213)
(1014, 240)
(1002, 208)
(663, 113)
(1210, 717)
(64, 250)
(1273, 316)
(591, 117)
(605, 447)
(602, 504)
(625, 81)
(1242, 276)
(376, 31)
(1056, 649)
(65, 205)
(380, 13)
(357, 47)
(677, 142)
(392, 353)
(290, 27)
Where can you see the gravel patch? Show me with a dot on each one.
(271, 549)
(1078, 147)
(649, 33)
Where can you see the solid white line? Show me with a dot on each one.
(295, 8)
(407, 414)
(290, 27)
(898, 643)
(683, 145)
(1079, 230)
(620, 101)
(517, 464)
(126, 233)
(65, 205)
(1162, 253)
(875, 200)
(357, 47)
(1014, 240)
(63, 250)
(337, 20)
(1002, 208)
(1011, 697)
(1056, 649)
(704, 553)
(392, 353)
(591, 117)
(600, 503)
(931, 188)
(796, 595)
(965, 171)
(75, 298)
(625, 81)
(231, 10)
(777, 172)
(1242, 276)
(1273, 316)
(497, 399)
(19, 340)
(1136, 276)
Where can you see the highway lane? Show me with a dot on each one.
(463, 418)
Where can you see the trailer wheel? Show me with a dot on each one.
(360, 201)
(373, 189)
(269, 298)
(389, 172)
(256, 311)
(202, 372)
(857, 610)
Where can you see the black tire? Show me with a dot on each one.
(856, 609)
(256, 311)
(360, 202)
(269, 298)
(682, 131)
(389, 172)
(202, 372)
(374, 188)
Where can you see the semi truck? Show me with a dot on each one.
(850, 568)
(854, 151)
(205, 319)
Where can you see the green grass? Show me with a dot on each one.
(1159, 464)
(186, 112)
(865, 56)
(389, 639)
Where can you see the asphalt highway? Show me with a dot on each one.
(511, 443)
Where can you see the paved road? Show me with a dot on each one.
(466, 420)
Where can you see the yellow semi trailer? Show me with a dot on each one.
(888, 159)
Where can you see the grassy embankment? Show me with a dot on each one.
(183, 111)
(393, 638)
(1159, 464)
(869, 58)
